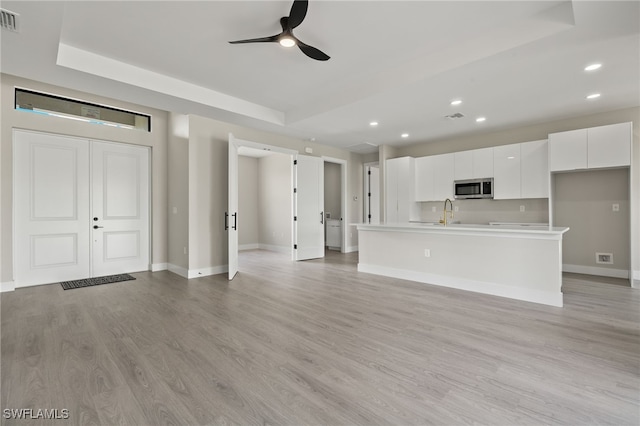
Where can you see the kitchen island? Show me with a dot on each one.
(519, 262)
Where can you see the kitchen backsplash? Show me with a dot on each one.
(536, 210)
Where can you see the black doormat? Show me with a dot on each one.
(88, 282)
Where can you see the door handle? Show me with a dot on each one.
(96, 226)
(226, 221)
(235, 221)
(322, 218)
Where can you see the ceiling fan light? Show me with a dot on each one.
(287, 42)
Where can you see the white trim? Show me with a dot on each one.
(196, 273)
(155, 267)
(252, 246)
(278, 249)
(635, 282)
(184, 273)
(7, 286)
(528, 295)
(203, 272)
(595, 270)
(351, 249)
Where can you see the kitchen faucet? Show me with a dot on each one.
(444, 213)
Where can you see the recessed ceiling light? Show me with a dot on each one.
(480, 119)
(405, 135)
(456, 102)
(592, 67)
(593, 96)
(373, 124)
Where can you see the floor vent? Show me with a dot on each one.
(9, 20)
(606, 258)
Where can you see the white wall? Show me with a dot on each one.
(583, 202)
(275, 202)
(248, 236)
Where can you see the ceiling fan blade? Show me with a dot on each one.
(257, 40)
(298, 13)
(312, 52)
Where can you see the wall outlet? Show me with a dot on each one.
(606, 258)
(455, 208)
(175, 210)
(522, 208)
(433, 209)
(184, 249)
(427, 253)
(616, 207)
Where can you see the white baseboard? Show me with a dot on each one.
(528, 295)
(278, 249)
(7, 286)
(212, 270)
(183, 272)
(351, 249)
(155, 267)
(253, 246)
(635, 282)
(595, 270)
(196, 273)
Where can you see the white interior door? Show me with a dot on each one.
(51, 208)
(309, 208)
(120, 208)
(61, 184)
(232, 210)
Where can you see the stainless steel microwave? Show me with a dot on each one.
(473, 188)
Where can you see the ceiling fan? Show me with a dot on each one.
(286, 37)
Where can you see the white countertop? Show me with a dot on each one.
(515, 230)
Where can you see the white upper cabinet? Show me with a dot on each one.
(604, 146)
(482, 163)
(476, 163)
(506, 166)
(443, 176)
(534, 169)
(463, 165)
(424, 179)
(520, 171)
(609, 146)
(568, 150)
(400, 193)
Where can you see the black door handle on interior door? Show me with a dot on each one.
(322, 218)
(96, 226)
(235, 221)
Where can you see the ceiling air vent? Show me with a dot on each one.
(454, 116)
(9, 20)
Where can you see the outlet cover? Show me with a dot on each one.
(433, 209)
(427, 253)
(522, 208)
(616, 207)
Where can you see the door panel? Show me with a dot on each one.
(120, 208)
(51, 208)
(309, 226)
(232, 208)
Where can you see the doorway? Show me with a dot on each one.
(81, 208)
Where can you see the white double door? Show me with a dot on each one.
(81, 208)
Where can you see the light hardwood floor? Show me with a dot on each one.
(316, 342)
